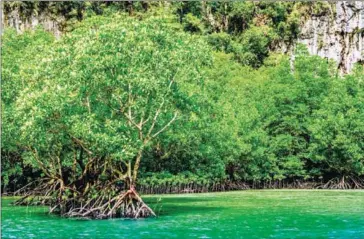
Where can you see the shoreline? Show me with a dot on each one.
(234, 191)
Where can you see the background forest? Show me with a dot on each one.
(246, 115)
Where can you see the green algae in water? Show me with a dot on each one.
(245, 214)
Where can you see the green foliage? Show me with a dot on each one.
(250, 48)
(220, 41)
(107, 89)
(193, 24)
(238, 113)
(253, 46)
(304, 124)
(337, 129)
(18, 57)
(254, 27)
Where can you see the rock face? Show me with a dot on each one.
(20, 23)
(338, 35)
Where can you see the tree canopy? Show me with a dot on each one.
(153, 103)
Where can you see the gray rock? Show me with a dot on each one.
(337, 36)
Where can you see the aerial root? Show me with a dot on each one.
(345, 182)
(85, 205)
(40, 194)
(128, 204)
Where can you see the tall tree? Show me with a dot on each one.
(97, 100)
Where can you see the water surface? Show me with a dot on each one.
(244, 214)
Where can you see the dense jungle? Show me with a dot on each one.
(126, 98)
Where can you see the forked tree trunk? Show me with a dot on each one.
(91, 195)
(108, 202)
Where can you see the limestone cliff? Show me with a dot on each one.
(15, 17)
(338, 35)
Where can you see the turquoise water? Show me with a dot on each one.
(245, 214)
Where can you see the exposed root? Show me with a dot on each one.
(128, 204)
(357, 182)
(106, 199)
(345, 182)
(38, 192)
(101, 190)
(99, 206)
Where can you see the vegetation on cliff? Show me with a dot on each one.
(161, 101)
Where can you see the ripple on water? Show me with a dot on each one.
(247, 214)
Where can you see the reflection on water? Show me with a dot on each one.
(245, 214)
